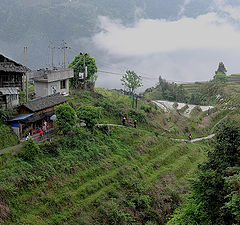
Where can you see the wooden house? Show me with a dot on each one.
(11, 82)
(32, 114)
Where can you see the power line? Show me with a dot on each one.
(121, 74)
(144, 75)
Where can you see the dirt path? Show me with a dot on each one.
(11, 148)
(97, 125)
(196, 139)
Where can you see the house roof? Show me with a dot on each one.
(21, 117)
(9, 91)
(8, 65)
(48, 76)
(44, 102)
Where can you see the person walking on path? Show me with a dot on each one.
(135, 123)
(124, 121)
(190, 137)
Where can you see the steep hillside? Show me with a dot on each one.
(113, 175)
(7, 137)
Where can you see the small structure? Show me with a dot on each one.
(32, 114)
(47, 82)
(11, 82)
(9, 97)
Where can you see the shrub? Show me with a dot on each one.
(3, 116)
(66, 117)
(138, 115)
(30, 150)
(89, 114)
(50, 147)
(146, 108)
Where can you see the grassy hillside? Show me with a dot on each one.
(109, 176)
(232, 84)
(99, 179)
(7, 137)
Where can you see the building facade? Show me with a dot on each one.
(47, 82)
(11, 82)
(34, 113)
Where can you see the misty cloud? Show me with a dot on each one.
(160, 36)
(231, 11)
(188, 49)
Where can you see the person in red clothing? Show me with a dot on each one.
(41, 134)
(190, 137)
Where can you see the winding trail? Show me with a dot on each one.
(110, 125)
(196, 139)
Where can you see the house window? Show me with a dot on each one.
(54, 89)
(63, 84)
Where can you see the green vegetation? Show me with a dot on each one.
(113, 175)
(66, 118)
(7, 137)
(30, 150)
(166, 91)
(215, 195)
(198, 93)
(89, 114)
(78, 64)
(101, 178)
(131, 82)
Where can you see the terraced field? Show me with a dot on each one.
(71, 197)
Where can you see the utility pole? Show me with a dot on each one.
(51, 47)
(84, 70)
(25, 64)
(64, 47)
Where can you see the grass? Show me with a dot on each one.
(67, 194)
(7, 137)
(100, 177)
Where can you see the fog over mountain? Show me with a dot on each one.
(181, 40)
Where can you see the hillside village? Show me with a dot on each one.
(118, 112)
(92, 163)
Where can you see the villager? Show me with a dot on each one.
(28, 136)
(135, 123)
(190, 137)
(124, 121)
(45, 127)
(41, 134)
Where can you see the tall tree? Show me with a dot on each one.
(78, 65)
(221, 69)
(131, 81)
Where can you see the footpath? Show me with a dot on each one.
(50, 134)
(196, 139)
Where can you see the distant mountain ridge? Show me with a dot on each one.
(34, 23)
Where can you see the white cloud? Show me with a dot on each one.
(148, 36)
(182, 9)
(224, 6)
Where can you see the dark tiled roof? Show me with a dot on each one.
(8, 65)
(45, 102)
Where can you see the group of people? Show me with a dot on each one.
(125, 120)
(42, 132)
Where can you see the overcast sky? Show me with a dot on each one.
(186, 49)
